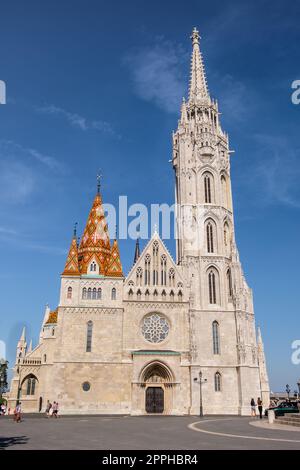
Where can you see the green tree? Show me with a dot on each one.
(3, 376)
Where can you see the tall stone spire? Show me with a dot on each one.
(263, 374)
(137, 250)
(198, 86)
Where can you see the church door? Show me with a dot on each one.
(154, 400)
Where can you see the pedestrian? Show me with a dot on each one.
(253, 407)
(18, 412)
(260, 407)
(55, 409)
(48, 408)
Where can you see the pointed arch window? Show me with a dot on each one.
(171, 277)
(180, 296)
(89, 336)
(224, 191)
(218, 382)
(212, 286)
(94, 293)
(163, 265)
(31, 385)
(207, 188)
(210, 236)
(69, 293)
(171, 296)
(163, 295)
(139, 276)
(155, 294)
(155, 263)
(84, 293)
(99, 293)
(130, 294)
(216, 337)
(229, 283)
(147, 269)
(89, 293)
(93, 267)
(147, 294)
(113, 294)
(139, 295)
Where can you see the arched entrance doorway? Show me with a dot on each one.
(157, 379)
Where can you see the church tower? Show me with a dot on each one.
(220, 300)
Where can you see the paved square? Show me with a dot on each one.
(147, 432)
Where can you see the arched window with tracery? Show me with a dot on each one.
(216, 337)
(229, 283)
(211, 237)
(213, 283)
(155, 262)
(89, 336)
(208, 188)
(69, 293)
(171, 277)
(218, 381)
(94, 293)
(84, 293)
(139, 276)
(147, 269)
(163, 265)
(99, 293)
(30, 384)
(113, 294)
(89, 293)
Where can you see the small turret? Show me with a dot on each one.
(21, 347)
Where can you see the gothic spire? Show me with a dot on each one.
(137, 250)
(114, 267)
(23, 335)
(198, 86)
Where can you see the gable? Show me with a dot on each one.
(155, 269)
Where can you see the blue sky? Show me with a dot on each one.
(95, 85)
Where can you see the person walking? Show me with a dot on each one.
(48, 408)
(55, 409)
(253, 407)
(18, 413)
(260, 407)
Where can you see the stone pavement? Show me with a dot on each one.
(145, 432)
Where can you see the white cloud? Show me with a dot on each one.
(78, 121)
(157, 74)
(10, 148)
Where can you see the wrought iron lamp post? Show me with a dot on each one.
(200, 381)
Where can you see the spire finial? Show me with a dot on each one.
(198, 87)
(75, 230)
(116, 231)
(195, 36)
(99, 176)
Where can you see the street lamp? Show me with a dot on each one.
(288, 390)
(200, 381)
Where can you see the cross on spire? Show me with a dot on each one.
(99, 176)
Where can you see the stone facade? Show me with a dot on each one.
(136, 344)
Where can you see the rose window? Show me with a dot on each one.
(155, 328)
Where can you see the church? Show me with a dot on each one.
(170, 337)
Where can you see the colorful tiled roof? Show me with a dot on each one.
(115, 265)
(52, 317)
(72, 266)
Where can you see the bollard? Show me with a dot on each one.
(271, 416)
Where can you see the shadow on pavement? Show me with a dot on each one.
(12, 441)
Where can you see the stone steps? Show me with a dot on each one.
(289, 419)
